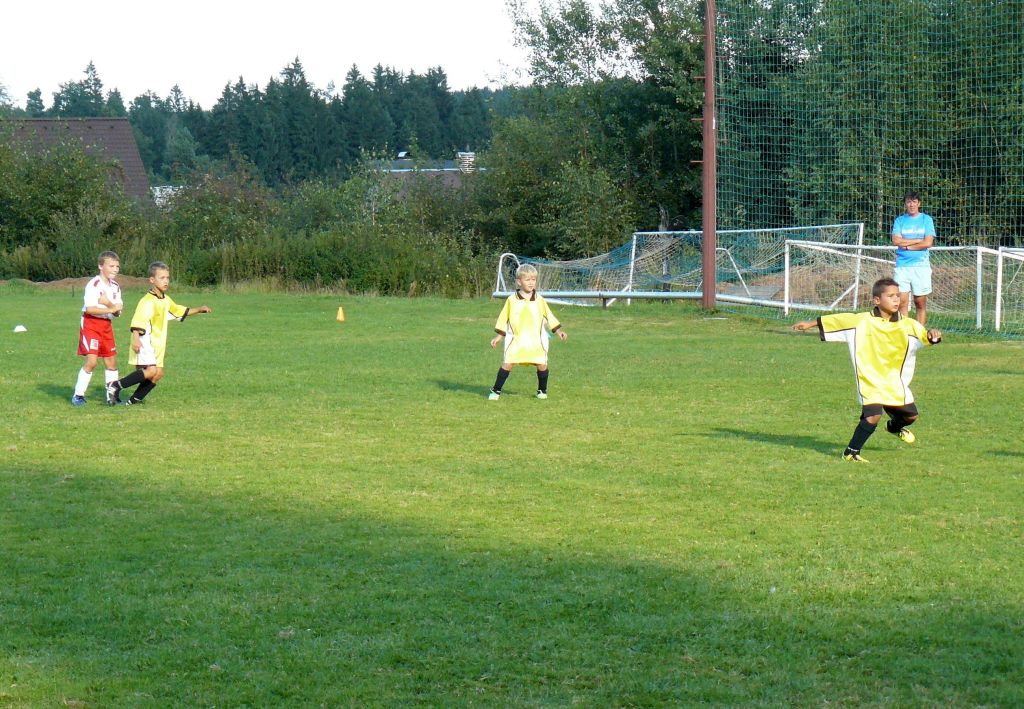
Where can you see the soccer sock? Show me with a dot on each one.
(143, 391)
(82, 384)
(132, 379)
(499, 381)
(897, 423)
(542, 380)
(110, 375)
(861, 434)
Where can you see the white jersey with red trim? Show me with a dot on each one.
(94, 289)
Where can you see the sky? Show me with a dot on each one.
(201, 46)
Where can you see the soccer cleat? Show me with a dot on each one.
(905, 435)
(854, 458)
(542, 394)
(494, 395)
(112, 394)
(77, 400)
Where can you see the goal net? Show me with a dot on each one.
(749, 266)
(974, 288)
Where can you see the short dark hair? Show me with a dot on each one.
(107, 256)
(881, 284)
(158, 266)
(911, 194)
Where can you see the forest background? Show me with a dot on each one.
(283, 183)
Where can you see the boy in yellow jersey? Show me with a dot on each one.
(523, 324)
(883, 346)
(149, 336)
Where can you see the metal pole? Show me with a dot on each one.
(978, 291)
(709, 206)
(999, 288)
(856, 277)
(785, 288)
(632, 267)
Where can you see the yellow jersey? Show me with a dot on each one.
(150, 320)
(883, 350)
(525, 321)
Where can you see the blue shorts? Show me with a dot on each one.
(913, 279)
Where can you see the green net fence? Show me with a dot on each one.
(828, 111)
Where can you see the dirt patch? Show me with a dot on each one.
(128, 282)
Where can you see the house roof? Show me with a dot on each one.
(110, 138)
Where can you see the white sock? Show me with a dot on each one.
(111, 375)
(82, 384)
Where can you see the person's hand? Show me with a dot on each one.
(934, 336)
(204, 309)
(562, 335)
(136, 345)
(496, 340)
(804, 325)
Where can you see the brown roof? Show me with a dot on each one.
(105, 137)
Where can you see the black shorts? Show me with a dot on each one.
(905, 411)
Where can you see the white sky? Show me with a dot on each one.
(201, 46)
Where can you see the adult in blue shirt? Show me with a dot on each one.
(913, 234)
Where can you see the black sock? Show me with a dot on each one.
(130, 380)
(542, 380)
(897, 424)
(143, 390)
(861, 434)
(499, 381)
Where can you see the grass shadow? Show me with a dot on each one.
(787, 440)
(461, 387)
(204, 599)
(55, 391)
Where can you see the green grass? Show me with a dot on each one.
(310, 513)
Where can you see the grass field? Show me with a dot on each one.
(309, 513)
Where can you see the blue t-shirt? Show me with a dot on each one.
(916, 228)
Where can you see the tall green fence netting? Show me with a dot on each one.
(829, 111)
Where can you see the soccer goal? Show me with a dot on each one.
(667, 264)
(973, 287)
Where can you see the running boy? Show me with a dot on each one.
(522, 325)
(149, 336)
(102, 303)
(883, 345)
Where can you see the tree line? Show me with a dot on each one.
(823, 118)
(289, 129)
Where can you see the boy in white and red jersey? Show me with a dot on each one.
(102, 303)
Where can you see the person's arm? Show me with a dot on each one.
(102, 310)
(197, 311)
(113, 307)
(556, 326)
(136, 340)
(913, 244)
(804, 325)
(502, 322)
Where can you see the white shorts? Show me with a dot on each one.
(146, 357)
(913, 279)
